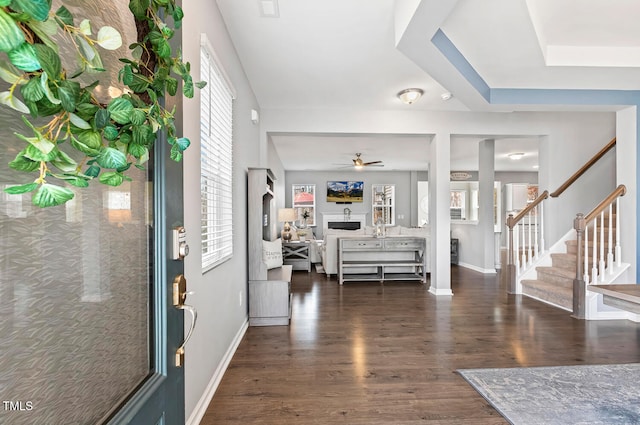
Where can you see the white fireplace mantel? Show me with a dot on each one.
(353, 217)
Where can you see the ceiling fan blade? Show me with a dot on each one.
(371, 163)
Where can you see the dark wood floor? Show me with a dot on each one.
(368, 353)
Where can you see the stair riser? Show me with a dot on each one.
(562, 298)
(555, 279)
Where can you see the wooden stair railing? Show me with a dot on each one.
(584, 168)
(601, 262)
(528, 241)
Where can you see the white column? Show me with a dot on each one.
(486, 177)
(439, 218)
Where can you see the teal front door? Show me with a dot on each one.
(88, 327)
(160, 399)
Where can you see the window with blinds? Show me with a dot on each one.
(216, 182)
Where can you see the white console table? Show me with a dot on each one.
(380, 259)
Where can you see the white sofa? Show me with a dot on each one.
(330, 243)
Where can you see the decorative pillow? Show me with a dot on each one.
(272, 253)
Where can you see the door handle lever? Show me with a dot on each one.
(179, 297)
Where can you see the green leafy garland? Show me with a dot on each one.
(111, 137)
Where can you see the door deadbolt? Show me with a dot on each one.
(180, 247)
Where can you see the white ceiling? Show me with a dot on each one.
(341, 54)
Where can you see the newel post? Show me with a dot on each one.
(511, 266)
(579, 290)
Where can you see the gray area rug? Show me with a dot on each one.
(603, 394)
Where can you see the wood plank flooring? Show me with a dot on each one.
(372, 353)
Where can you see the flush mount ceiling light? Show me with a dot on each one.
(409, 96)
(516, 155)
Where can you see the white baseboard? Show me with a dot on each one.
(201, 408)
(477, 269)
(436, 291)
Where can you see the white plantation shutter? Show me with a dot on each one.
(216, 182)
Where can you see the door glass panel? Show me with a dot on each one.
(74, 280)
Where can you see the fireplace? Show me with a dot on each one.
(354, 221)
(344, 225)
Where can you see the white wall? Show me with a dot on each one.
(220, 294)
(402, 180)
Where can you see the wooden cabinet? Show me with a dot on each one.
(381, 259)
(269, 290)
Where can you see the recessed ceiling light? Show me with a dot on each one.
(269, 9)
(446, 96)
(516, 155)
(536, 166)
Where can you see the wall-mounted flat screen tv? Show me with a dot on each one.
(343, 191)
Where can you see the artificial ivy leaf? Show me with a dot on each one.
(23, 188)
(11, 36)
(46, 108)
(24, 58)
(33, 153)
(111, 178)
(79, 122)
(44, 83)
(178, 14)
(92, 171)
(201, 84)
(88, 51)
(109, 38)
(37, 9)
(120, 110)
(139, 8)
(85, 27)
(50, 195)
(163, 49)
(79, 146)
(69, 92)
(188, 89)
(127, 74)
(85, 109)
(49, 60)
(110, 133)
(73, 179)
(4, 3)
(65, 16)
(137, 151)
(176, 153)
(64, 162)
(44, 30)
(138, 83)
(90, 138)
(142, 135)
(32, 91)
(182, 143)
(7, 98)
(172, 86)
(138, 117)
(9, 73)
(21, 163)
(112, 158)
(102, 118)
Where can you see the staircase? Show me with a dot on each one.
(553, 283)
(590, 254)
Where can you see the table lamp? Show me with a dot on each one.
(286, 215)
